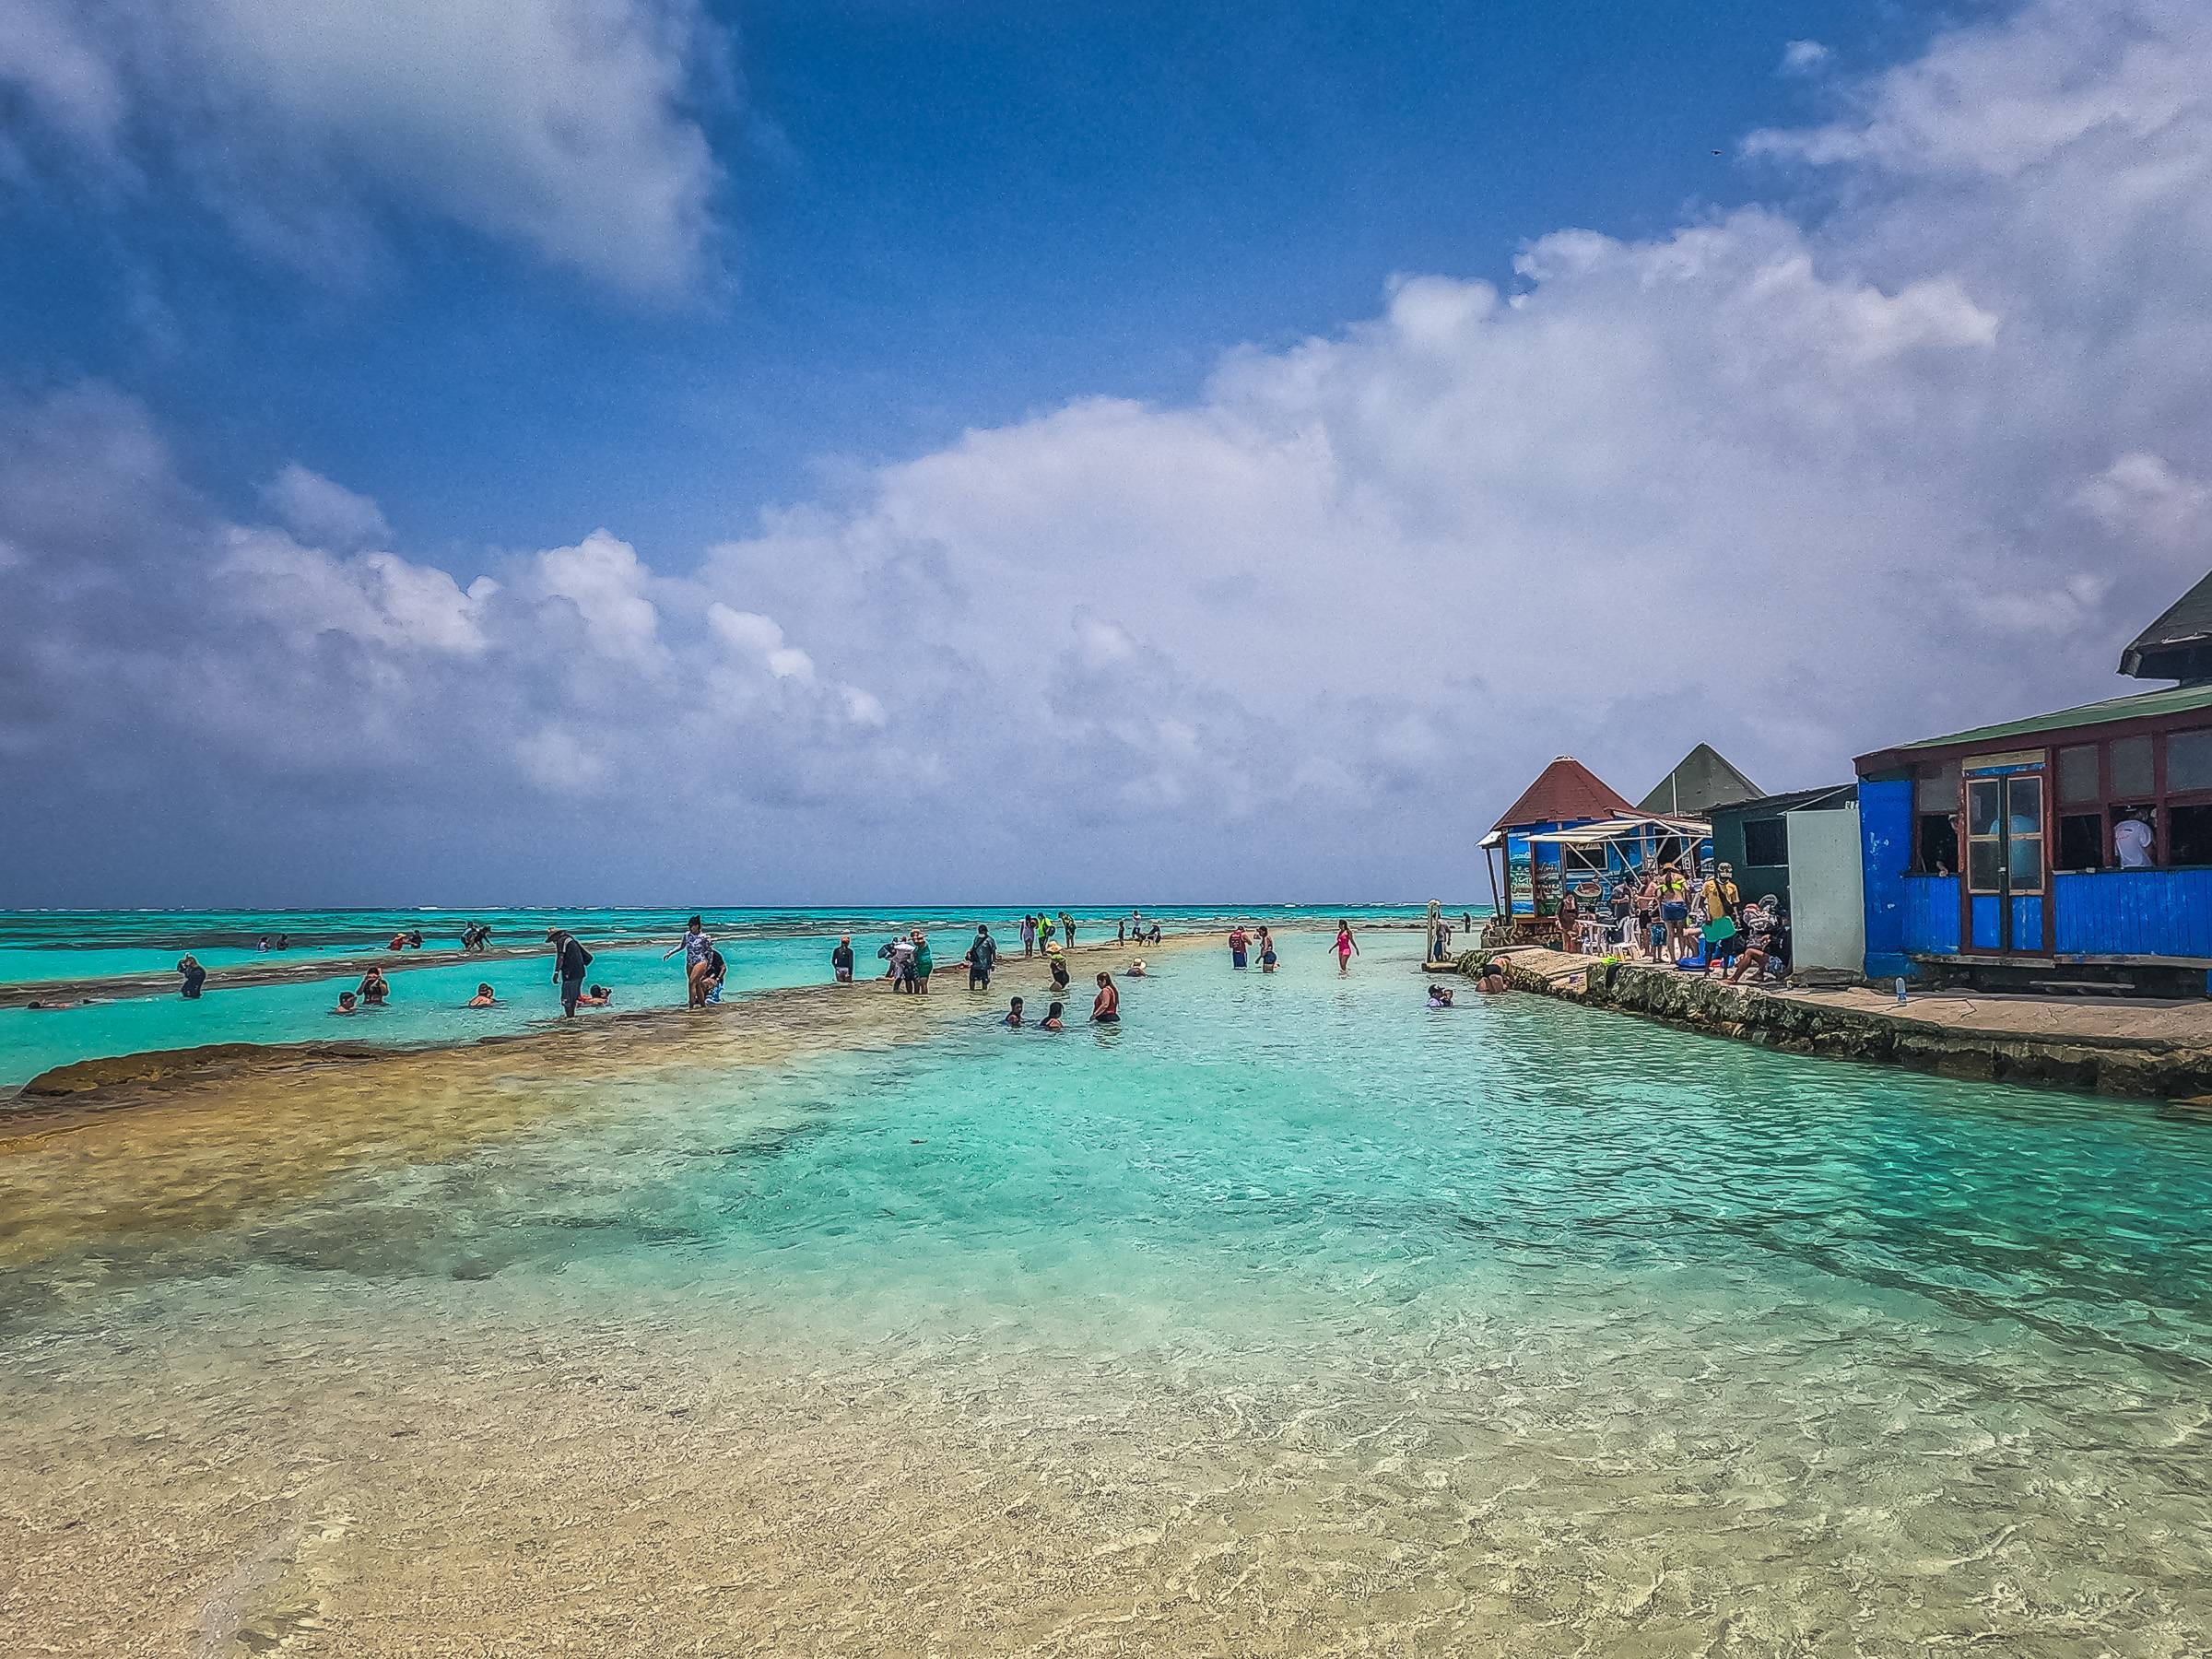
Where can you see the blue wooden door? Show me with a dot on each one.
(2007, 874)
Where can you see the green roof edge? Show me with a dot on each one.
(2173, 700)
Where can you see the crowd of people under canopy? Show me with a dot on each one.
(1661, 915)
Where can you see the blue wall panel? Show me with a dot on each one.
(1886, 848)
(2028, 924)
(1986, 919)
(2134, 912)
(1931, 915)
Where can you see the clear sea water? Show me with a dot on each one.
(763, 948)
(1290, 1317)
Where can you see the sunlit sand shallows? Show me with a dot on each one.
(1289, 1319)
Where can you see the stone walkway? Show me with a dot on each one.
(2117, 1046)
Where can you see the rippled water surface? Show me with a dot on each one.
(1288, 1317)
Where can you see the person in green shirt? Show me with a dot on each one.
(924, 963)
(982, 956)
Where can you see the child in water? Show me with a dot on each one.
(598, 996)
(346, 1001)
(1052, 1018)
(1013, 1018)
(482, 999)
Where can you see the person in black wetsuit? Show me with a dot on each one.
(840, 959)
(194, 977)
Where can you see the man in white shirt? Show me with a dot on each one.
(2131, 844)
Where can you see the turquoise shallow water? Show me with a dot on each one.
(1301, 1148)
(1860, 1357)
(425, 1006)
(764, 948)
(42, 945)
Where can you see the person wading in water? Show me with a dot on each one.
(697, 948)
(569, 961)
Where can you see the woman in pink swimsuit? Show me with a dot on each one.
(1347, 947)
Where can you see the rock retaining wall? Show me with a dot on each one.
(2118, 1065)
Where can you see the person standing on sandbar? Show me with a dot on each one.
(697, 947)
(983, 956)
(570, 961)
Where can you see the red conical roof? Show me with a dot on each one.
(1564, 793)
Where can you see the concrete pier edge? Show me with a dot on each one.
(1809, 1023)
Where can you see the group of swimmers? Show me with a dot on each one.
(909, 965)
(375, 989)
(1105, 1009)
(1241, 945)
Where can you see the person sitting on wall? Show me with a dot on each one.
(1767, 947)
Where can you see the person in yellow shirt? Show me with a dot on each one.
(1723, 905)
(1674, 910)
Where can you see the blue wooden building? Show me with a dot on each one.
(2075, 845)
(1570, 830)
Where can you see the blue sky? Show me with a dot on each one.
(931, 217)
(1270, 431)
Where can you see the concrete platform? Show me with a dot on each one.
(2162, 1050)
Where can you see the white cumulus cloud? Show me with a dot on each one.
(312, 506)
(1798, 483)
(566, 127)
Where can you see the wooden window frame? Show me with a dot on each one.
(2161, 798)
